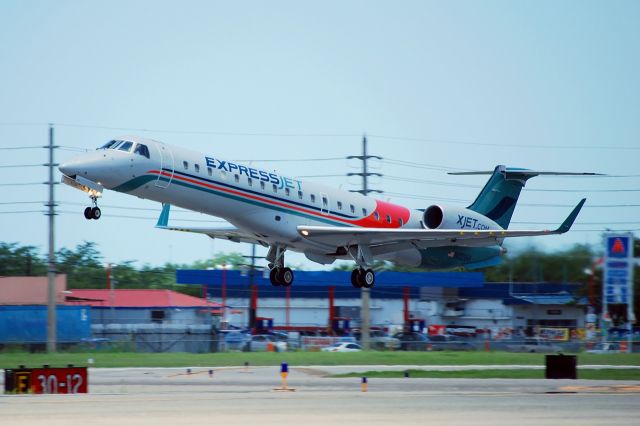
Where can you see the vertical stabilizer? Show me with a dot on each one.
(498, 198)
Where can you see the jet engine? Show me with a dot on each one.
(452, 217)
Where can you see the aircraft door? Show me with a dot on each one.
(324, 203)
(166, 165)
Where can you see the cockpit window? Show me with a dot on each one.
(142, 150)
(126, 146)
(108, 145)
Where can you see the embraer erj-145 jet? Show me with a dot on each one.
(324, 223)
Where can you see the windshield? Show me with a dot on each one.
(127, 146)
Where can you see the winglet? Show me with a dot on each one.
(568, 222)
(163, 220)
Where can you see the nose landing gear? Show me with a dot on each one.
(93, 212)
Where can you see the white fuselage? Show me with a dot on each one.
(259, 201)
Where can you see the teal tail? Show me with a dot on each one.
(498, 198)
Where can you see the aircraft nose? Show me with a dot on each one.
(65, 169)
(70, 168)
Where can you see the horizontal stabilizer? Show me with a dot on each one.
(515, 172)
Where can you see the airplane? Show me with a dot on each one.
(325, 224)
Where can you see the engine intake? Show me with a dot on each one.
(433, 217)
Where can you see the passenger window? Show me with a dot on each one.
(275, 188)
(325, 201)
(388, 219)
(352, 208)
(142, 150)
(237, 178)
(262, 184)
(197, 167)
(364, 212)
(223, 175)
(210, 171)
(376, 215)
(125, 146)
(400, 221)
(300, 195)
(339, 205)
(185, 164)
(249, 181)
(287, 192)
(313, 198)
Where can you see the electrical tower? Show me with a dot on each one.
(365, 295)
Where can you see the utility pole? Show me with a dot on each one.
(51, 269)
(365, 318)
(252, 282)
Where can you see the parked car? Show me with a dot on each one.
(449, 342)
(342, 347)
(534, 345)
(379, 340)
(605, 348)
(412, 341)
(263, 342)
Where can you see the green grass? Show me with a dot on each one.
(129, 359)
(604, 374)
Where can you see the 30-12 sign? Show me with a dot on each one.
(59, 380)
(46, 380)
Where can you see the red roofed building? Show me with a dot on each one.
(134, 306)
(151, 320)
(136, 298)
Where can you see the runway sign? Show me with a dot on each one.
(46, 380)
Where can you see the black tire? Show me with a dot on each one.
(285, 276)
(368, 278)
(355, 278)
(96, 213)
(87, 213)
(273, 277)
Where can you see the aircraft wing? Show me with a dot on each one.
(231, 234)
(344, 236)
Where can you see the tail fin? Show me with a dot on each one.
(498, 198)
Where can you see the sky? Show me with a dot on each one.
(436, 87)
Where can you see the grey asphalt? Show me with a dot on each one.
(235, 396)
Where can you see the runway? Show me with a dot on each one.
(235, 396)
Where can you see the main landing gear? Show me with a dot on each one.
(361, 277)
(279, 274)
(93, 212)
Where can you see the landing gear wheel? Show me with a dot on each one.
(87, 213)
(285, 277)
(95, 213)
(368, 278)
(281, 276)
(355, 278)
(273, 277)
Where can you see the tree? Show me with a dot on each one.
(15, 260)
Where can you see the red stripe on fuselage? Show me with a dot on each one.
(393, 210)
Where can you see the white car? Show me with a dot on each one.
(605, 348)
(342, 347)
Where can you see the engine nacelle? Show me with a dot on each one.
(451, 217)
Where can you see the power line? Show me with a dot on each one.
(19, 147)
(502, 145)
(21, 184)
